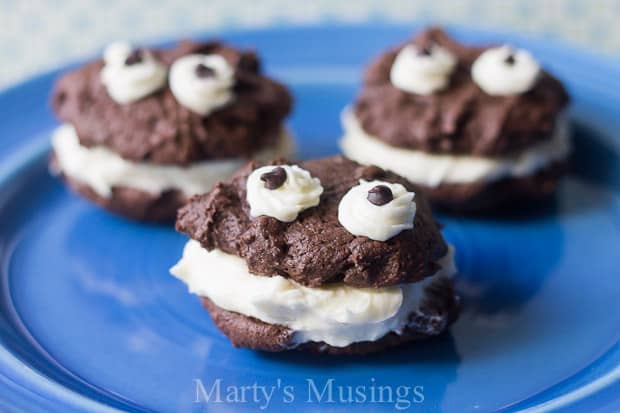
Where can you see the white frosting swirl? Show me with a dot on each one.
(378, 222)
(416, 72)
(337, 315)
(505, 71)
(128, 83)
(202, 94)
(300, 191)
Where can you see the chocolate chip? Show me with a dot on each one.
(204, 71)
(510, 59)
(134, 57)
(380, 195)
(274, 179)
(425, 51)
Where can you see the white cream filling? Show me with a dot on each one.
(337, 315)
(434, 169)
(102, 169)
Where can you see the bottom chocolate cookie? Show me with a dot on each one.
(141, 190)
(487, 197)
(129, 202)
(439, 310)
(133, 203)
(467, 182)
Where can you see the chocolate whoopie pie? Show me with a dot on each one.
(145, 129)
(324, 255)
(475, 127)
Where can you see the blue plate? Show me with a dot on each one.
(91, 320)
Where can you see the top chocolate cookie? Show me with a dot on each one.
(149, 104)
(335, 221)
(486, 101)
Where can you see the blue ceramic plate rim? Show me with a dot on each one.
(25, 388)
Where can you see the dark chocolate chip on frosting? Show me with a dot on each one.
(425, 51)
(203, 71)
(510, 59)
(275, 178)
(380, 195)
(134, 57)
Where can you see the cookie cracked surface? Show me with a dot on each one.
(462, 118)
(158, 129)
(315, 249)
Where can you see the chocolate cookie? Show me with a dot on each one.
(462, 118)
(324, 255)
(165, 123)
(314, 249)
(482, 197)
(159, 129)
(129, 202)
(444, 114)
(440, 311)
